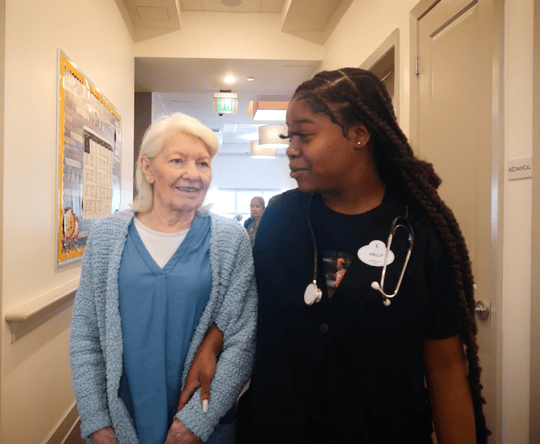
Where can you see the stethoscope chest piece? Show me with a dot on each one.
(312, 294)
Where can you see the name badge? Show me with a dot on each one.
(374, 253)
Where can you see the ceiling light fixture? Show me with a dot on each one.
(262, 153)
(248, 136)
(269, 136)
(229, 79)
(269, 110)
(250, 79)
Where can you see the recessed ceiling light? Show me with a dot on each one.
(270, 114)
(250, 79)
(229, 79)
(250, 136)
(231, 2)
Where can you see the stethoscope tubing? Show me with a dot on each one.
(313, 293)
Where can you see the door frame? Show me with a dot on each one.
(497, 171)
(391, 42)
(2, 108)
(534, 408)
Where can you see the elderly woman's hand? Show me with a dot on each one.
(203, 368)
(104, 436)
(179, 434)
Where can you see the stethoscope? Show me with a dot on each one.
(313, 293)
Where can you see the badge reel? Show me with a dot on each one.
(312, 294)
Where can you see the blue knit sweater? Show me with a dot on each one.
(96, 334)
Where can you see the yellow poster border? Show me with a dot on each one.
(65, 64)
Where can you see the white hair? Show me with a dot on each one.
(153, 141)
(260, 199)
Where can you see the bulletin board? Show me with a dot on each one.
(89, 146)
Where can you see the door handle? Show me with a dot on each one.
(482, 310)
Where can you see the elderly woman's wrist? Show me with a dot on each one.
(105, 435)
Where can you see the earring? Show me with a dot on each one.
(359, 144)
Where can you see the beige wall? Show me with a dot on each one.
(516, 306)
(2, 70)
(364, 27)
(35, 377)
(234, 172)
(535, 265)
(233, 36)
(354, 39)
(35, 380)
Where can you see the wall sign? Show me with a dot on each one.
(225, 103)
(520, 168)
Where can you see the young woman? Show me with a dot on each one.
(388, 349)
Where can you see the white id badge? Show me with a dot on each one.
(374, 253)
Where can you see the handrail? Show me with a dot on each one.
(28, 316)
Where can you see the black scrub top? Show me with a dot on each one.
(349, 368)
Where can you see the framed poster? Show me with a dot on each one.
(89, 146)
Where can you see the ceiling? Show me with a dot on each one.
(272, 6)
(187, 85)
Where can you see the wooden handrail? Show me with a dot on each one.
(28, 316)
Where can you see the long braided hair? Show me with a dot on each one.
(351, 95)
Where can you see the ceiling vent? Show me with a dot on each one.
(154, 13)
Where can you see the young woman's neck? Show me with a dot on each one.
(357, 198)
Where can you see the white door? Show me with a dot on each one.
(455, 47)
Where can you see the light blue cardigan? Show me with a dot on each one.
(96, 335)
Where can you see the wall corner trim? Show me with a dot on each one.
(65, 428)
(30, 315)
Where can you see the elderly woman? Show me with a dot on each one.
(251, 224)
(160, 284)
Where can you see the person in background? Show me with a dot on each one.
(160, 284)
(384, 359)
(251, 224)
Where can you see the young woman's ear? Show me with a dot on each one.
(360, 135)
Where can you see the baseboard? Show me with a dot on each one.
(74, 436)
(64, 427)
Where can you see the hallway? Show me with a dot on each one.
(108, 45)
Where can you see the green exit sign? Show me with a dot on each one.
(225, 105)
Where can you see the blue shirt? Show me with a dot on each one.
(159, 310)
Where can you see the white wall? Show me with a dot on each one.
(242, 172)
(35, 377)
(158, 107)
(518, 74)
